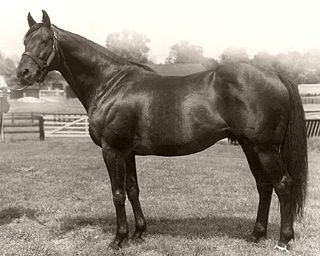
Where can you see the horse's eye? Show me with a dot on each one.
(41, 56)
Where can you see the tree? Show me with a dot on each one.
(263, 60)
(291, 63)
(234, 54)
(7, 66)
(54, 77)
(130, 45)
(185, 52)
(210, 63)
(8, 69)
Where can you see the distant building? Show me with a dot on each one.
(177, 69)
(310, 93)
(31, 91)
(309, 89)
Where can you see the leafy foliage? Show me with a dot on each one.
(129, 44)
(233, 54)
(302, 68)
(185, 52)
(8, 69)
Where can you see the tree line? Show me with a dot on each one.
(301, 67)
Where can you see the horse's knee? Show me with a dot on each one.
(119, 198)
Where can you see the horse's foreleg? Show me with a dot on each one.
(264, 186)
(272, 164)
(115, 163)
(133, 195)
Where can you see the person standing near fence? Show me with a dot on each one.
(4, 103)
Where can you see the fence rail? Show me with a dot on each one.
(310, 100)
(63, 125)
(77, 125)
(22, 123)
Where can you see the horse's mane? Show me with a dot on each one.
(146, 67)
(105, 51)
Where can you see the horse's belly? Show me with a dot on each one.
(174, 143)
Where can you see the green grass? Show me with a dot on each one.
(56, 200)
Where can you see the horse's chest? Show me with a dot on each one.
(113, 125)
(94, 132)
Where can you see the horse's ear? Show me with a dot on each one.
(45, 18)
(31, 21)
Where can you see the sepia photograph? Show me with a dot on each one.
(159, 128)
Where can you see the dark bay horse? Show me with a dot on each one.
(134, 111)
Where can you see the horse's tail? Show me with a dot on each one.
(293, 149)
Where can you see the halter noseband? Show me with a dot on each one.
(44, 66)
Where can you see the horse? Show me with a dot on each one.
(133, 111)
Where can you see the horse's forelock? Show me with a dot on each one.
(34, 28)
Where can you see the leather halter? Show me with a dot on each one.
(40, 63)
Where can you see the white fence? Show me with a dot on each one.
(51, 93)
(64, 125)
(77, 125)
(313, 122)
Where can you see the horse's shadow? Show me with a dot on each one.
(9, 214)
(232, 227)
(192, 227)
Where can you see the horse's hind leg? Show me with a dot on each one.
(273, 166)
(133, 195)
(265, 188)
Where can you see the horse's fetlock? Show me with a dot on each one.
(141, 225)
(123, 232)
(286, 235)
(259, 228)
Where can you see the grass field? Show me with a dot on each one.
(56, 200)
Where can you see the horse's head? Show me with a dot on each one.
(40, 51)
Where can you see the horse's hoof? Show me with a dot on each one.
(118, 244)
(255, 238)
(114, 246)
(137, 240)
(283, 248)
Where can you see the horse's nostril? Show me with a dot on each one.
(25, 72)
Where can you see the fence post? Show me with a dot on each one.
(86, 126)
(2, 126)
(41, 127)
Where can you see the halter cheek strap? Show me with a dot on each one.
(45, 65)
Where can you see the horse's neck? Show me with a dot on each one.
(85, 65)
